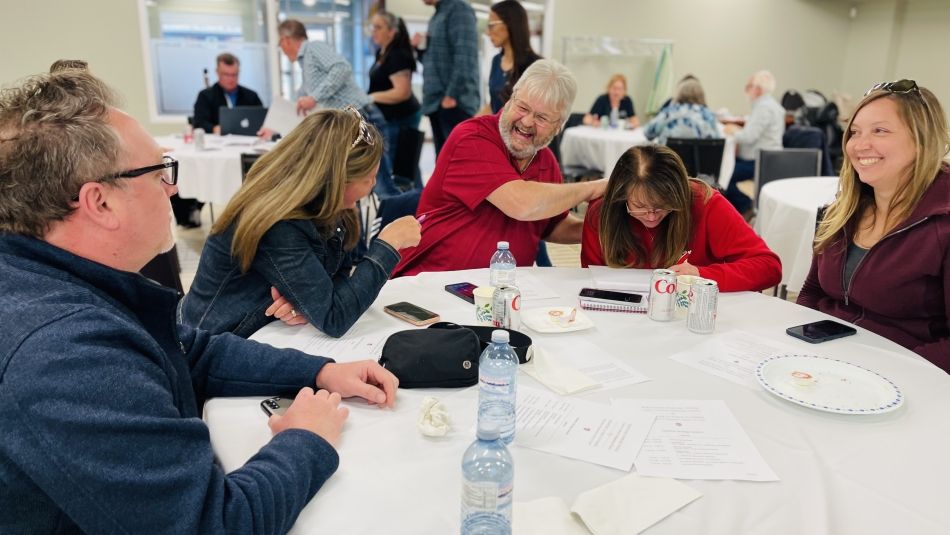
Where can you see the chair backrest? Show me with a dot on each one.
(702, 157)
(247, 160)
(408, 152)
(805, 137)
(776, 164)
(574, 119)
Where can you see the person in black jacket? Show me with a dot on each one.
(225, 92)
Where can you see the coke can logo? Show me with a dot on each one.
(666, 288)
(516, 303)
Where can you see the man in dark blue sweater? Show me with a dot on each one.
(100, 390)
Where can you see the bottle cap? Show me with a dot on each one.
(488, 431)
(502, 245)
(499, 336)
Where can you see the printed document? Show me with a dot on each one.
(621, 280)
(579, 429)
(346, 349)
(732, 355)
(695, 439)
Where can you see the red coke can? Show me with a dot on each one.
(662, 295)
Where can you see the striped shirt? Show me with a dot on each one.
(328, 78)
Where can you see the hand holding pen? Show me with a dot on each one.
(683, 267)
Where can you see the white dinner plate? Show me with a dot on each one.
(553, 320)
(828, 385)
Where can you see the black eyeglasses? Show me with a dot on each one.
(900, 86)
(168, 167)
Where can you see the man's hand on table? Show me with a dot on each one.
(364, 378)
(318, 412)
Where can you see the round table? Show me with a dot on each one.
(786, 221)
(214, 174)
(838, 474)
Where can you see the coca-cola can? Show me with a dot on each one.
(662, 295)
(506, 308)
(703, 303)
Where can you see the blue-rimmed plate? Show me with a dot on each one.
(828, 385)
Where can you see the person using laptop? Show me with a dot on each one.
(101, 390)
(226, 92)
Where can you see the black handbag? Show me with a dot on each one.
(443, 356)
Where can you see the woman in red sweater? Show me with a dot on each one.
(652, 213)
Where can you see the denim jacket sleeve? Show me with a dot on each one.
(314, 274)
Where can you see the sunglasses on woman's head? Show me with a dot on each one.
(900, 86)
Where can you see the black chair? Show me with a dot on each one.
(776, 164)
(406, 162)
(809, 137)
(702, 157)
(247, 161)
(571, 173)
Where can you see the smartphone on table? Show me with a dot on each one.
(820, 331)
(610, 297)
(272, 406)
(415, 315)
(464, 290)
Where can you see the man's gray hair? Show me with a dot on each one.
(551, 83)
(765, 81)
(54, 137)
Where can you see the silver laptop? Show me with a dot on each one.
(243, 120)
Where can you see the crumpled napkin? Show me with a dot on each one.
(433, 418)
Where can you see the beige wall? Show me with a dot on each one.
(807, 43)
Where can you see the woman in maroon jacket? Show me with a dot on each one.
(652, 213)
(882, 251)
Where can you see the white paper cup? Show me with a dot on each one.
(483, 299)
(683, 296)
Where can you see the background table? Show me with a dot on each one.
(786, 221)
(839, 474)
(214, 174)
(599, 148)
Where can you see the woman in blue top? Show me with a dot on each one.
(288, 233)
(614, 99)
(508, 30)
(685, 117)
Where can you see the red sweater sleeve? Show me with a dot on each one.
(738, 258)
(591, 252)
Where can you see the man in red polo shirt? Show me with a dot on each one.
(495, 180)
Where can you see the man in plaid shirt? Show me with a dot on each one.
(450, 67)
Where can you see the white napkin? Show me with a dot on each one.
(561, 379)
(547, 516)
(631, 504)
(433, 418)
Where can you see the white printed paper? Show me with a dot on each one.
(345, 349)
(282, 116)
(622, 280)
(733, 356)
(592, 361)
(696, 439)
(579, 429)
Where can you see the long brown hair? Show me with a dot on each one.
(513, 14)
(303, 177)
(655, 174)
(921, 112)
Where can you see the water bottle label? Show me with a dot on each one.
(485, 496)
(494, 384)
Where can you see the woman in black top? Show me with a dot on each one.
(390, 79)
(508, 30)
(614, 99)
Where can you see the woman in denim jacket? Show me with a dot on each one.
(281, 249)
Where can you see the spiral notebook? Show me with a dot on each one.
(640, 308)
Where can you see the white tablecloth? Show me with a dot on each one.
(599, 148)
(210, 175)
(839, 474)
(786, 221)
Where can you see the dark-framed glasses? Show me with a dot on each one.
(899, 86)
(654, 212)
(168, 168)
(364, 128)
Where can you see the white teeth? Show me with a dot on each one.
(868, 161)
(522, 132)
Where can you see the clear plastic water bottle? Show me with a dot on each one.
(614, 118)
(488, 474)
(497, 386)
(501, 269)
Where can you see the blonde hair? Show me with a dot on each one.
(615, 78)
(656, 174)
(304, 177)
(551, 83)
(921, 112)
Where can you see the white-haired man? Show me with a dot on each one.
(100, 390)
(762, 130)
(496, 180)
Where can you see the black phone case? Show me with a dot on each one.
(795, 334)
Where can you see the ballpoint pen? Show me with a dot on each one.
(683, 258)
